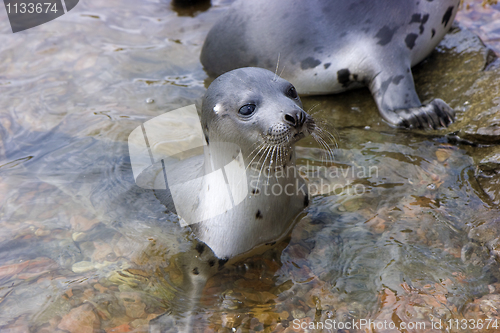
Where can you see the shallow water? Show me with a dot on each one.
(82, 248)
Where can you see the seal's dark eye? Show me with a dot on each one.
(247, 110)
(291, 92)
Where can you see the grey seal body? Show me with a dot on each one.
(251, 119)
(331, 46)
(253, 114)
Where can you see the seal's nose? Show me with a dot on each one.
(295, 118)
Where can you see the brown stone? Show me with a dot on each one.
(119, 329)
(103, 251)
(80, 223)
(29, 268)
(134, 306)
(80, 320)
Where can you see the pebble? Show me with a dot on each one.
(40, 232)
(120, 329)
(80, 320)
(82, 266)
(80, 223)
(78, 236)
(298, 314)
(134, 307)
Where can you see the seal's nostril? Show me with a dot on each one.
(295, 118)
(291, 119)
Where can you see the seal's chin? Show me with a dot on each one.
(296, 137)
(305, 131)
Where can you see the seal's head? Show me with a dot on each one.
(258, 111)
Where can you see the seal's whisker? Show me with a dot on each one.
(271, 161)
(328, 151)
(333, 137)
(260, 147)
(263, 146)
(282, 70)
(322, 134)
(323, 128)
(328, 147)
(279, 157)
(261, 156)
(268, 149)
(310, 111)
(282, 155)
(252, 157)
(324, 156)
(322, 144)
(329, 155)
(277, 65)
(329, 136)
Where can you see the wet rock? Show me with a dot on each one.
(85, 62)
(485, 309)
(49, 327)
(42, 232)
(80, 223)
(459, 71)
(442, 154)
(140, 323)
(488, 175)
(486, 228)
(87, 249)
(487, 29)
(103, 251)
(29, 247)
(99, 231)
(82, 266)
(26, 269)
(134, 306)
(465, 73)
(484, 234)
(481, 122)
(80, 320)
(122, 248)
(119, 329)
(20, 325)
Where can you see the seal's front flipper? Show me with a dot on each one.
(434, 115)
(396, 98)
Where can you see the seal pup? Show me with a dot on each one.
(329, 46)
(254, 114)
(253, 118)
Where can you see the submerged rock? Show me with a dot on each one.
(488, 175)
(466, 73)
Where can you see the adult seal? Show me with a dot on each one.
(329, 46)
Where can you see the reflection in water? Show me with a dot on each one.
(81, 246)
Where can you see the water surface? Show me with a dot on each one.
(387, 237)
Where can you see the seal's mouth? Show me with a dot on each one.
(284, 134)
(298, 136)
